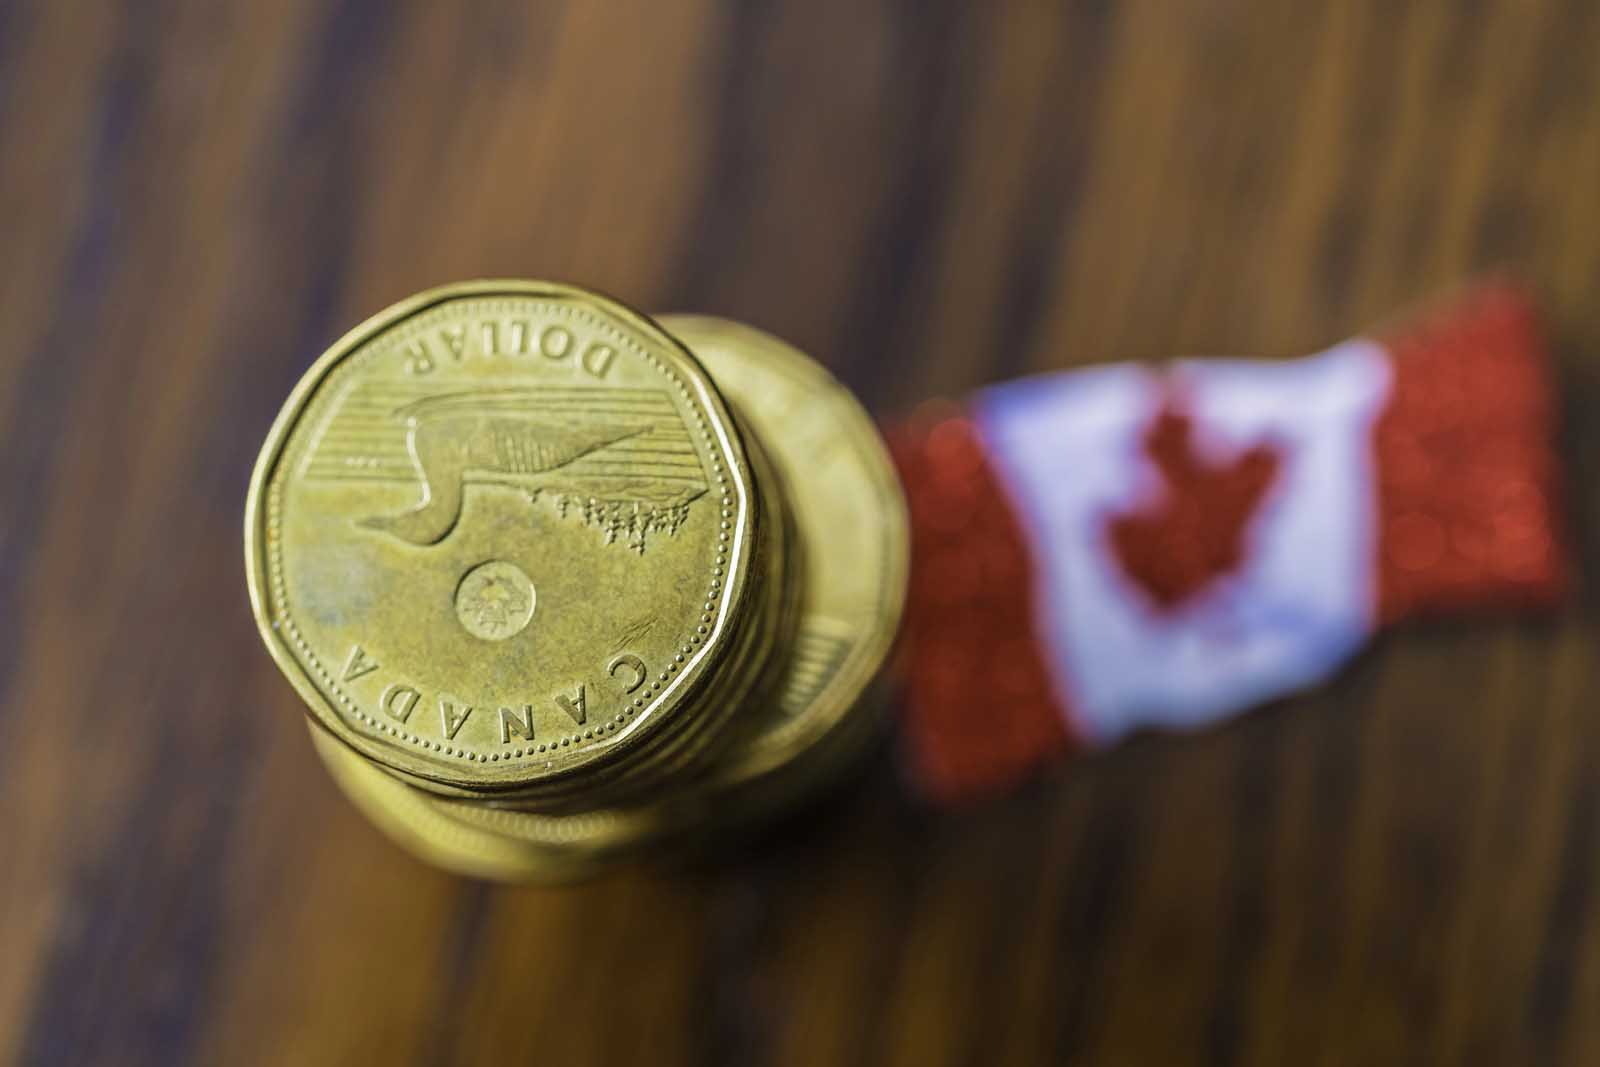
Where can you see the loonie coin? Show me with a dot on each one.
(850, 525)
(501, 537)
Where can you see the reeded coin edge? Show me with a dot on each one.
(257, 549)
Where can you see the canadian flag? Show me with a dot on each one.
(1103, 550)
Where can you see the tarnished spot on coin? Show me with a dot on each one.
(471, 496)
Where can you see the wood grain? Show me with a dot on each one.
(196, 197)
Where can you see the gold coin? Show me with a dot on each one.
(500, 536)
(851, 529)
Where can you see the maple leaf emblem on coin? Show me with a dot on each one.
(1194, 532)
(496, 603)
(495, 600)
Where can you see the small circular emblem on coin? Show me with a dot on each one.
(495, 600)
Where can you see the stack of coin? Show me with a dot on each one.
(560, 583)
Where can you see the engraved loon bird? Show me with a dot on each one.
(492, 434)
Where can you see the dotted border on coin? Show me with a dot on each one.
(702, 630)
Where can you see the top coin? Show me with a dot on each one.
(499, 533)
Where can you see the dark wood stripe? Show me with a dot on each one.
(35, 411)
(1569, 920)
(1369, 123)
(938, 57)
(111, 992)
(1456, 64)
(744, 899)
(1550, 1002)
(1105, 866)
(117, 892)
(469, 924)
(1506, 227)
(914, 831)
(1254, 827)
(17, 22)
(728, 192)
(1046, 216)
(1015, 901)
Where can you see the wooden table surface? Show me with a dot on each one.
(196, 197)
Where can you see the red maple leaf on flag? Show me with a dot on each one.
(1194, 532)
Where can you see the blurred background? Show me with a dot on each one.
(197, 197)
